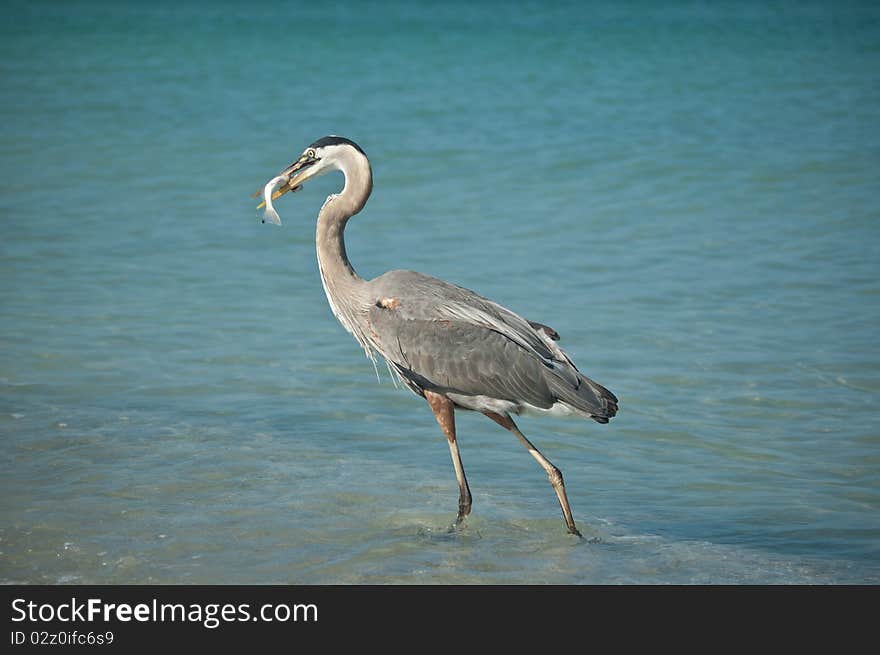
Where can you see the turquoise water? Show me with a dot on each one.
(687, 193)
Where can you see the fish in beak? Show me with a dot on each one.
(290, 179)
(270, 215)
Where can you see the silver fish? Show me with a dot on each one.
(270, 215)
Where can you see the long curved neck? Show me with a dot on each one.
(344, 287)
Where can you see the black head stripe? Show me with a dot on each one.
(336, 141)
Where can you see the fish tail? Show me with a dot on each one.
(271, 216)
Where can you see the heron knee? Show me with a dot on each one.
(555, 476)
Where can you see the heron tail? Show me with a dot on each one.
(588, 397)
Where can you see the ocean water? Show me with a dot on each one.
(687, 192)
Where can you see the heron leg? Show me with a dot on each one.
(444, 412)
(553, 473)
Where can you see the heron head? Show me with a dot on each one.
(325, 155)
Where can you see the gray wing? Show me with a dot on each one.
(428, 298)
(446, 356)
(443, 337)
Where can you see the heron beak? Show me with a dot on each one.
(298, 172)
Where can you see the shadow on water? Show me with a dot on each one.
(465, 532)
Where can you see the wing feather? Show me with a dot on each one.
(441, 336)
(460, 357)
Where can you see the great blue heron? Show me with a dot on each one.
(453, 347)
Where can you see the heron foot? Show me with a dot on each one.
(457, 526)
(460, 520)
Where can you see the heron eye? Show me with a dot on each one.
(310, 153)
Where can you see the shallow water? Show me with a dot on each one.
(687, 194)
